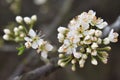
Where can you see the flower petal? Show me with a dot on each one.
(27, 39)
(44, 54)
(34, 45)
(32, 33)
(48, 47)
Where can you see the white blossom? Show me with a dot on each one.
(34, 18)
(113, 36)
(94, 45)
(94, 61)
(16, 30)
(81, 63)
(77, 55)
(60, 37)
(33, 39)
(102, 25)
(106, 41)
(27, 20)
(19, 19)
(98, 33)
(7, 31)
(6, 37)
(62, 30)
(88, 50)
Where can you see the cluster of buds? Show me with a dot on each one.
(36, 42)
(83, 38)
(24, 32)
(17, 34)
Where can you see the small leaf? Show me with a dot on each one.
(21, 49)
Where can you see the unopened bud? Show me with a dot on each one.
(6, 31)
(19, 19)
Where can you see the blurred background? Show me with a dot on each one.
(52, 14)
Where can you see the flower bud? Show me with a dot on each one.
(19, 19)
(88, 50)
(94, 45)
(27, 20)
(16, 29)
(94, 53)
(81, 63)
(61, 55)
(28, 44)
(59, 61)
(84, 56)
(98, 33)
(62, 64)
(104, 60)
(73, 61)
(106, 41)
(73, 68)
(20, 27)
(6, 37)
(60, 37)
(34, 18)
(94, 61)
(6, 31)
(62, 30)
(107, 48)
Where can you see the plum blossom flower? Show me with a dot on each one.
(44, 47)
(33, 39)
(113, 36)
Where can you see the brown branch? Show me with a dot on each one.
(8, 48)
(64, 9)
(115, 26)
(38, 73)
(49, 68)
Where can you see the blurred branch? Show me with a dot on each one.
(39, 72)
(49, 68)
(115, 26)
(62, 12)
(8, 48)
(64, 9)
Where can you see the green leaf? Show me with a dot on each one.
(21, 49)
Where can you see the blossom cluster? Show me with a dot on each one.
(24, 32)
(82, 38)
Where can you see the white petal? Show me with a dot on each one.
(34, 18)
(85, 26)
(77, 55)
(27, 20)
(44, 54)
(40, 42)
(32, 33)
(27, 39)
(102, 25)
(94, 61)
(48, 47)
(34, 45)
(62, 30)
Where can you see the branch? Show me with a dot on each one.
(64, 9)
(8, 48)
(115, 26)
(49, 68)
